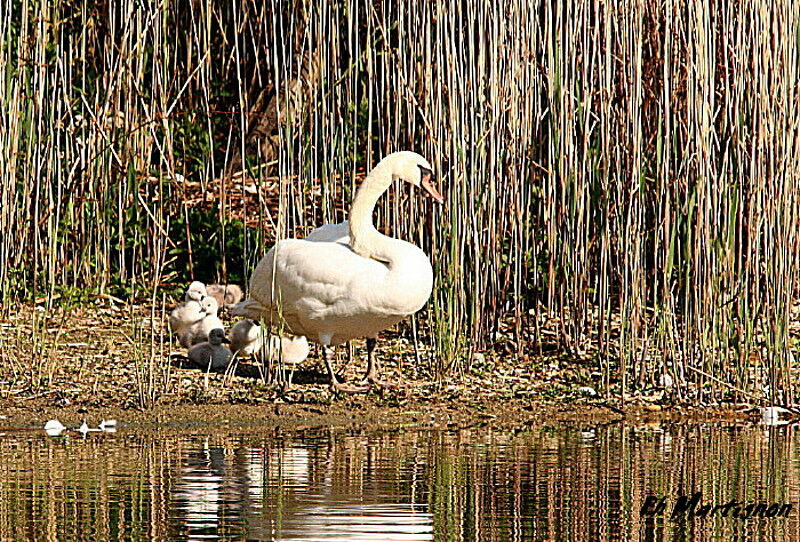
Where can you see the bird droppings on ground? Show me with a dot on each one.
(127, 367)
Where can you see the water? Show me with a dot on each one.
(537, 483)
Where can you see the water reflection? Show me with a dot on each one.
(548, 483)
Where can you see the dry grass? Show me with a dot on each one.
(627, 170)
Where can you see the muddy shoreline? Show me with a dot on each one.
(116, 362)
(366, 413)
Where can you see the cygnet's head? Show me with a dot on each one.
(196, 291)
(209, 305)
(249, 329)
(413, 168)
(217, 336)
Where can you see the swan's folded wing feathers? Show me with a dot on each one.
(320, 275)
(331, 233)
(317, 282)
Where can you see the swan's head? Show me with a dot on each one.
(217, 336)
(209, 305)
(413, 168)
(196, 291)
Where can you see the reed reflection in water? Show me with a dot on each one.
(554, 482)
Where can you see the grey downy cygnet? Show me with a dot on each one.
(227, 295)
(190, 311)
(198, 331)
(212, 355)
(245, 337)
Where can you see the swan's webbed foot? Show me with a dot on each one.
(372, 381)
(343, 387)
(371, 378)
(335, 384)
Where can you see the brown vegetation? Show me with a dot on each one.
(623, 174)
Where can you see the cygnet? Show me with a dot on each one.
(226, 295)
(246, 338)
(191, 311)
(196, 291)
(198, 331)
(211, 355)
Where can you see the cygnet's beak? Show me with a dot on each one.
(226, 340)
(429, 185)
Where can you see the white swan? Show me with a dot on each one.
(332, 288)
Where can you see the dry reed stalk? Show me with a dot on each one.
(626, 170)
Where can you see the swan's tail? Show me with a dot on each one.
(250, 308)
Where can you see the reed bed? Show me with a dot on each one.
(621, 176)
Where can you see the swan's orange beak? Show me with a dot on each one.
(430, 187)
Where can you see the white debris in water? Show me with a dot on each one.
(772, 415)
(109, 426)
(587, 390)
(666, 381)
(54, 428)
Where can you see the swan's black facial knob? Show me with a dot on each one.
(427, 181)
(425, 172)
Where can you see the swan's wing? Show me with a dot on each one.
(314, 280)
(331, 233)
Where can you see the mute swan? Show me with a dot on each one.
(246, 338)
(226, 295)
(190, 311)
(199, 330)
(211, 355)
(332, 291)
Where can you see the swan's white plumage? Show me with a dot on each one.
(325, 289)
(346, 280)
(331, 233)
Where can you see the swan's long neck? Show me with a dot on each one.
(365, 240)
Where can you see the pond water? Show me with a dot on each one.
(535, 483)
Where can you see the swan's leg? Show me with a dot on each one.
(327, 353)
(371, 378)
(372, 364)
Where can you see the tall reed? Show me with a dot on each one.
(623, 173)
